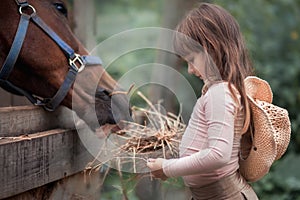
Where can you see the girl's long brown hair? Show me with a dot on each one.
(219, 34)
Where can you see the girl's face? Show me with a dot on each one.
(196, 64)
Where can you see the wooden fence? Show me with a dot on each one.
(38, 148)
(41, 154)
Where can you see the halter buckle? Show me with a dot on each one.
(77, 63)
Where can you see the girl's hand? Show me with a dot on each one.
(155, 166)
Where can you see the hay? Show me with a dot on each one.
(158, 134)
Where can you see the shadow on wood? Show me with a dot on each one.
(78, 186)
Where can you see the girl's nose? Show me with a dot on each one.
(190, 68)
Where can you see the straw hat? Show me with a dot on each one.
(271, 131)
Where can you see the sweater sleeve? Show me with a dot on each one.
(218, 110)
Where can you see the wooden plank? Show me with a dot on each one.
(27, 163)
(20, 120)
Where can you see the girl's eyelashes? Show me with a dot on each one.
(189, 59)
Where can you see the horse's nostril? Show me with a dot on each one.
(102, 94)
(102, 90)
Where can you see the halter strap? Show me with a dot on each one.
(69, 52)
(15, 48)
(76, 62)
(22, 2)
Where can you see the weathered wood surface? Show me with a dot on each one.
(41, 158)
(20, 120)
(38, 147)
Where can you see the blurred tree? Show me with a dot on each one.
(173, 11)
(170, 20)
(85, 23)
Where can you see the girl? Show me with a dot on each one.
(209, 39)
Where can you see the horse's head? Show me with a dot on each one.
(42, 66)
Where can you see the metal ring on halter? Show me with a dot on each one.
(30, 6)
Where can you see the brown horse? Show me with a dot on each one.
(49, 59)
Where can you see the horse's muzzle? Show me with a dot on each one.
(111, 109)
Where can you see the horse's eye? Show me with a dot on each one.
(61, 8)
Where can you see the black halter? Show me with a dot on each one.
(76, 62)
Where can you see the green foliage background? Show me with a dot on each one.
(272, 33)
(271, 29)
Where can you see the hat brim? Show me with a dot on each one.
(263, 147)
